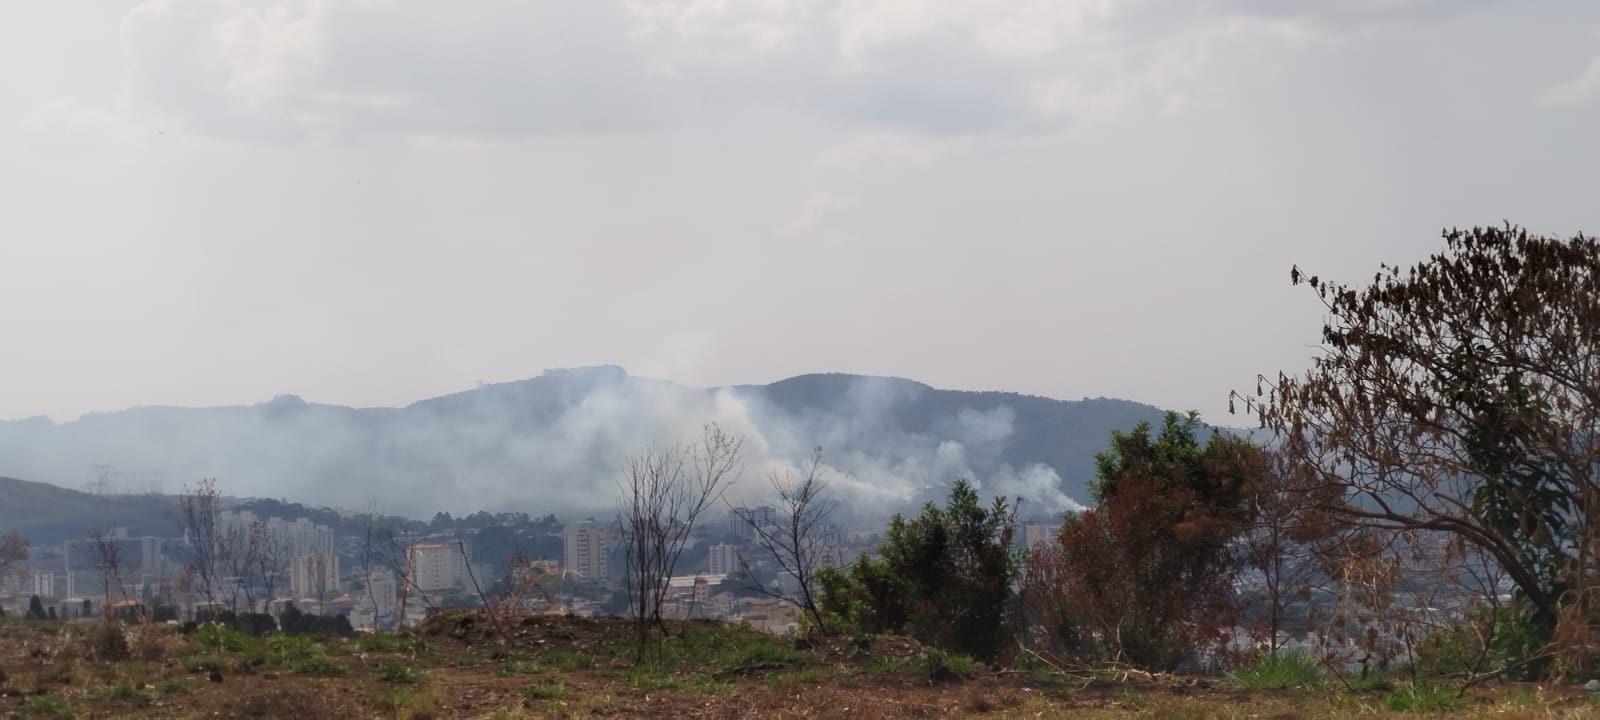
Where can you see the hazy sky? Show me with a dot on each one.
(370, 202)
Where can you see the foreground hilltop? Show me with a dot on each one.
(546, 443)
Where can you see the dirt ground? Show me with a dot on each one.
(463, 665)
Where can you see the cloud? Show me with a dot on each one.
(1576, 90)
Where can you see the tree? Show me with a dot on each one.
(200, 516)
(664, 491)
(944, 576)
(1148, 572)
(36, 609)
(797, 545)
(1462, 396)
(1283, 546)
(107, 555)
(13, 555)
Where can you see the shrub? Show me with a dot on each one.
(217, 637)
(940, 666)
(1279, 670)
(545, 691)
(171, 686)
(397, 672)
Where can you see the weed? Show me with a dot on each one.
(398, 673)
(1133, 698)
(1424, 698)
(1279, 670)
(171, 686)
(125, 692)
(219, 638)
(296, 653)
(812, 674)
(545, 691)
(48, 706)
(513, 668)
(567, 660)
(395, 643)
(939, 665)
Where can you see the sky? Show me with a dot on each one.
(370, 202)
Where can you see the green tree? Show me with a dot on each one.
(944, 576)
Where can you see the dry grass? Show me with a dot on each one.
(573, 667)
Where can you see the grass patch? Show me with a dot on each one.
(125, 692)
(395, 643)
(566, 660)
(171, 686)
(397, 673)
(48, 706)
(403, 702)
(220, 639)
(805, 675)
(940, 665)
(645, 679)
(513, 668)
(1279, 670)
(299, 654)
(545, 691)
(1424, 698)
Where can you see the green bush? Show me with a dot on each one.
(939, 665)
(171, 686)
(222, 639)
(1490, 639)
(1279, 670)
(397, 672)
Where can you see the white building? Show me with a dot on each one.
(430, 566)
(380, 593)
(315, 575)
(724, 559)
(585, 545)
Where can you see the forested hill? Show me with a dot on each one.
(555, 442)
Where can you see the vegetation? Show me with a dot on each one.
(1279, 670)
(944, 577)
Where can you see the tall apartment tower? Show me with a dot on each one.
(585, 545)
(430, 567)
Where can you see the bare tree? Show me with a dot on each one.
(271, 558)
(106, 554)
(13, 555)
(664, 492)
(200, 516)
(386, 546)
(1283, 543)
(797, 544)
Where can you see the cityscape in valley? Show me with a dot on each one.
(799, 359)
(117, 544)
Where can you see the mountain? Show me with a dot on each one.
(45, 513)
(556, 443)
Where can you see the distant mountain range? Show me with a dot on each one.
(556, 443)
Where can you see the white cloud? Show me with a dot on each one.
(1575, 90)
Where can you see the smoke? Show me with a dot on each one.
(556, 443)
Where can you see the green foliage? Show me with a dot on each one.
(1146, 575)
(1425, 697)
(47, 706)
(1490, 639)
(939, 665)
(295, 622)
(944, 577)
(397, 673)
(215, 636)
(513, 668)
(566, 660)
(298, 654)
(1279, 670)
(171, 686)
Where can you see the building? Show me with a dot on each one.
(461, 569)
(740, 520)
(585, 545)
(724, 559)
(429, 565)
(315, 575)
(381, 591)
(1035, 535)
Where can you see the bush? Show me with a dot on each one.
(48, 706)
(1279, 670)
(1489, 639)
(220, 638)
(942, 666)
(397, 672)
